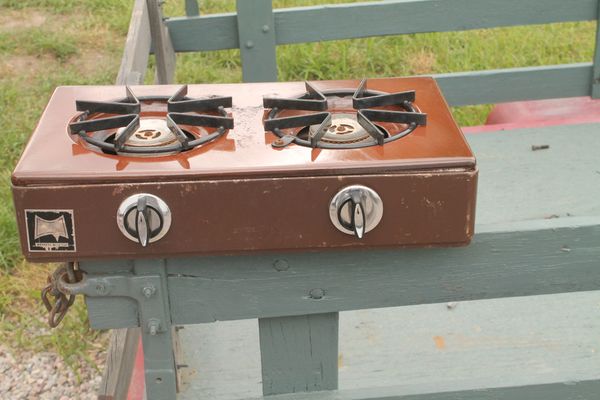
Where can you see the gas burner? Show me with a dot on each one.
(345, 119)
(151, 126)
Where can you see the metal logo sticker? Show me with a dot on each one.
(50, 230)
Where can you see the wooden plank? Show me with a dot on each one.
(531, 83)
(163, 47)
(191, 8)
(257, 38)
(119, 364)
(497, 264)
(421, 349)
(596, 73)
(518, 184)
(137, 47)
(554, 391)
(333, 22)
(395, 17)
(548, 257)
(299, 354)
(205, 33)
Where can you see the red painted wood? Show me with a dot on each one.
(540, 113)
(137, 387)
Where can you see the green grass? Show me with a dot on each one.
(65, 42)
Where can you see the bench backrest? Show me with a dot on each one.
(256, 29)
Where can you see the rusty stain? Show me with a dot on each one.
(340, 360)
(440, 343)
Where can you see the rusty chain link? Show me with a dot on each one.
(61, 303)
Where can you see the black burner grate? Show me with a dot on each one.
(362, 101)
(179, 109)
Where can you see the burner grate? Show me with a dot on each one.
(363, 101)
(180, 110)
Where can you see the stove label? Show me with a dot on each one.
(50, 230)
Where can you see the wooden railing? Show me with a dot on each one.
(256, 29)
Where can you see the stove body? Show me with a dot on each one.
(251, 184)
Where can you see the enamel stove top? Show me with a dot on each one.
(147, 171)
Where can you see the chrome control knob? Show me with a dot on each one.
(356, 210)
(144, 218)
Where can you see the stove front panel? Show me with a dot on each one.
(423, 208)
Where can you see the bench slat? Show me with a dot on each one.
(512, 84)
(333, 22)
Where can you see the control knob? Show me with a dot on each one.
(144, 218)
(356, 210)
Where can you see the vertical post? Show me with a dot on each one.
(256, 32)
(155, 323)
(163, 48)
(137, 47)
(191, 8)
(299, 354)
(596, 69)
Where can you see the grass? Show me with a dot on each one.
(46, 43)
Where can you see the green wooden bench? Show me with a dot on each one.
(517, 249)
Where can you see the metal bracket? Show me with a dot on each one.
(145, 290)
(150, 293)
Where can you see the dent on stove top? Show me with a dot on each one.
(52, 156)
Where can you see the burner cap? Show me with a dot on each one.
(344, 128)
(152, 126)
(152, 132)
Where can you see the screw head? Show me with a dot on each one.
(249, 44)
(281, 265)
(148, 291)
(100, 288)
(316, 294)
(153, 325)
(266, 28)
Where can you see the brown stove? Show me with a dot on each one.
(116, 172)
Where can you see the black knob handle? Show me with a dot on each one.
(358, 219)
(142, 221)
(355, 220)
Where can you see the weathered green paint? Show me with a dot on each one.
(191, 8)
(497, 86)
(134, 62)
(585, 390)
(421, 349)
(204, 33)
(332, 22)
(345, 21)
(257, 40)
(159, 360)
(163, 47)
(558, 255)
(299, 354)
(596, 74)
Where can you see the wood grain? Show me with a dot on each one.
(529, 83)
(395, 17)
(163, 47)
(137, 47)
(119, 364)
(510, 342)
(299, 354)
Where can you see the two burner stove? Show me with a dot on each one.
(157, 126)
(171, 171)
